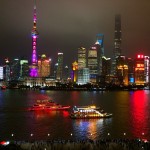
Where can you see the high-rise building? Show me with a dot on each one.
(117, 42)
(130, 63)
(122, 70)
(66, 73)
(94, 64)
(74, 71)
(15, 69)
(24, 68)
(7, 70)
(147, 68)
(34, 34)
(44, 66)
(100, 40)
(141, 72)
(59, 72)
(81, 58)
(1, 73)
(83, 76)
(106, 66)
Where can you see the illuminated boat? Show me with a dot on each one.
(88, 112)
(48, 105)
(3, 87)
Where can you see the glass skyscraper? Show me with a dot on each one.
(117, 42)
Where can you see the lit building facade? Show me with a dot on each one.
(66, 73)
(130, 63)
(34, 34)
(44, 66)
(74, 71)
(122, 70)
(117, 42)
(100, 40)
(106, 66)
(24, 69)
(1, 73)
(59, 71)
(147, 68)
(94, 65)
(7, 70)
(141, 72)
(81, 58)
(83, 76)
(15, 70)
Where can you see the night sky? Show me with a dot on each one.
(65, 25)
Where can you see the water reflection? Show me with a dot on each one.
(49, 114)
(89, 128)
(139, 106)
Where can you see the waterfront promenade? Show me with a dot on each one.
(103, 144)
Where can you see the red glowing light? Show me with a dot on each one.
(140, 56)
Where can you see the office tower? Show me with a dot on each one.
(122, 70)
(15, 70)
(59, 72)
(139, 70)
(106, 66)
(141, 73)
(146, 68)
(74, 71)
(34, 34)
(24, 68)
(1, 73)
(7, 70)
(66, 73)
(44, 66)
(81, 58)
(83, 71)
(94, 62)
(130, 63)
(117, 42)
(100, 40)
(83, 76)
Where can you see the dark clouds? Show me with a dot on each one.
(64, 25)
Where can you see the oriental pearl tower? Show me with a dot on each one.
(34, 34)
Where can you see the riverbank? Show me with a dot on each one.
(103, 144)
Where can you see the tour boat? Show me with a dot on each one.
(3, 87)
(48, 105)
(88, 112)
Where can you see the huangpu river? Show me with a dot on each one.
(130, 109)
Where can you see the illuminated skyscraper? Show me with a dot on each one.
(1, 73)
(59, 72)
(147, 67)
(75, 70)
(7, 70)
(15, 69)
(44, 66)
(93, 61)
(81, 58)
(34, 34)
(122, 70)
(24, 68)
(141, 70)
(100, 40)
(117, 42)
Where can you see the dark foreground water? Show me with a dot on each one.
(131, 115)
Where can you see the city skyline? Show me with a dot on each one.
(67, 25)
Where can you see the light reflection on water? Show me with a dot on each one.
(89, 128)
(139, 107)
(131, 115)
